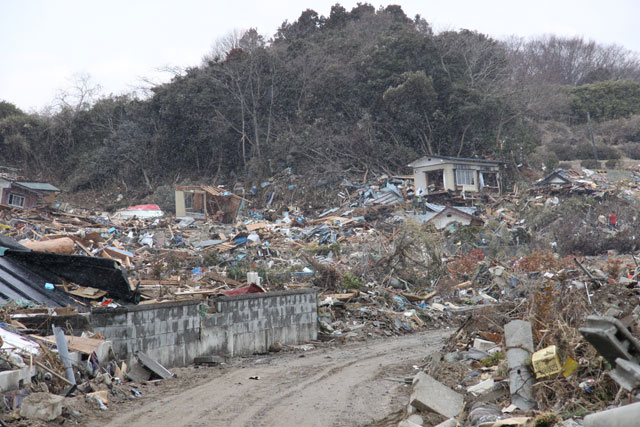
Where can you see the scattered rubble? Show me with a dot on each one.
(502, 269)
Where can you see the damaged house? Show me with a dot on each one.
(440, 174)
(442, 216)
(26, 195)
(209, 203)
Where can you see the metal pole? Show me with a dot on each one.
(63, 352)
(593, 142)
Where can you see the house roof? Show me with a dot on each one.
(457, 211)
(18, 282)
(471, 210)
(456, 159)
(560, 173)
(23, 274)
(37, 186)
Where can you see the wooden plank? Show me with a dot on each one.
(256, 226)
(84, 248)
(90, 293)
(83, 345)
(343, 297)
(160, 282)
(414, 297)
(222, 279)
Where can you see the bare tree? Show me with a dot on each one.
(81, 94)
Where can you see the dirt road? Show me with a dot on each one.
(346, 385)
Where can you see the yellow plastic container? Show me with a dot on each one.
(545, 362)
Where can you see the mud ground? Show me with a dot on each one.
(353, 384)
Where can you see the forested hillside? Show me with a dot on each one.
(357, 90)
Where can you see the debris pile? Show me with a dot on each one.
(515, 274)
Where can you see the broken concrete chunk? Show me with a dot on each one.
(41, 406)
(154, 366)
(483, 345)
(451, 422)
(626, 374)
(481, 387)
(611, 338)
(407, 423)
(138, 373)
(519, 341)
(623, 416)
(431, 395)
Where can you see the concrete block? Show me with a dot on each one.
(41, 406)
(15, 378)
(623, 416)
(483, 345)
(481, 387)
(431, 395)
(407, 423)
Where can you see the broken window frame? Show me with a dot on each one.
(493, 178)
(11, 200)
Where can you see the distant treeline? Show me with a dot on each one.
(357, 90)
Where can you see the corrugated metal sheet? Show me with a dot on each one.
(18, 283)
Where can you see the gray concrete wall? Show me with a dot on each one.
(174, 334)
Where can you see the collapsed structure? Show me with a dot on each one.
(382, 261)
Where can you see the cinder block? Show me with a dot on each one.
(431, 395)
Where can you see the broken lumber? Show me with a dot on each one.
(63, 245)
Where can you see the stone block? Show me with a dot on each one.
(431, 395)
(41, 406)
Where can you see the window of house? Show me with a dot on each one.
(465, 177)
(15, 200)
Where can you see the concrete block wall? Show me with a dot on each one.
(175, 333)
(245, 324)
(166, 332)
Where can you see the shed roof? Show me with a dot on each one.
(37, 186)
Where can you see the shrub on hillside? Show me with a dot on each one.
(589, 164)
(631, 150)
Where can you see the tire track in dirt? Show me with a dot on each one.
(342, 386)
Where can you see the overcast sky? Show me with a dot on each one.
(45, 43)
